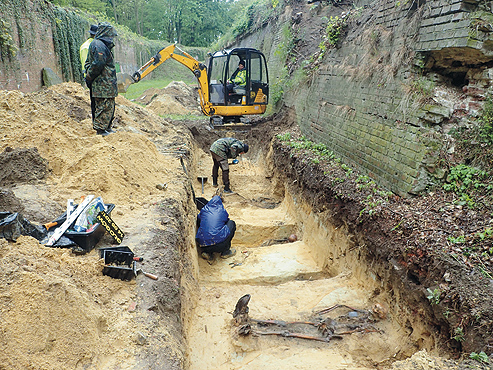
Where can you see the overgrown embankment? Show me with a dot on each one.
(445, 286)
(383, 84)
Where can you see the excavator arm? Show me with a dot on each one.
(198, 69)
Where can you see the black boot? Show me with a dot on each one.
(227, 189)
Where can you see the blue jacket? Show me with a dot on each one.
(213, 218)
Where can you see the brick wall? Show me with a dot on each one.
(24, 71)
(361, 101)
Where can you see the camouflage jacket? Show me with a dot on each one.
(100, 64)
(227, 147)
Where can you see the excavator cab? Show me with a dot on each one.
(231, 103)
(223, 105)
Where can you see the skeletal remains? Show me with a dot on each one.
(355, 320)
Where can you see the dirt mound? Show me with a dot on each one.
(176, 98)
(80, 161)
(58, 310)
(21, 165)
(9, 202)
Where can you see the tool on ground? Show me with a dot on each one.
(137, 270)
(69, 221)
(49, 225)
(119, 262)
(149, 275)
(235, 263)
(203, 180)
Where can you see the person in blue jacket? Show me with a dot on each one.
(215, 230)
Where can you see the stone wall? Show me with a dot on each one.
(368, 100)
(32, 33)
(24, 70)
(384, 99)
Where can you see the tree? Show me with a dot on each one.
(188, 22)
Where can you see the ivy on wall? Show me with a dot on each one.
(25, 24)
(7, 46)
(68, 34)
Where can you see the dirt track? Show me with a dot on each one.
(59, 311)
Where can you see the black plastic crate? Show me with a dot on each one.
(121, 255)
(119, 272)
(88, 240)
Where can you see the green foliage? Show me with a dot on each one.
(422, 87)
(480, 357)
(318, 149)
(364, 181)
(459, 334)
(92, 6)
(187, 22)
(334, 29)
(486, 234)
(457, 240)
(134, 91)
(68, 35)
(434, 295)
(8, 49)
(465, 180)
(486, 121)
(286, 45)
(247, 15)
(284, 137)
(333, 32)
(276, 90)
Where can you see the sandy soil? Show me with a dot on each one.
(59, 312)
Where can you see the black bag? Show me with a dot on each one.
(13, 225)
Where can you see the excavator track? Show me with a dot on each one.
(231, 123)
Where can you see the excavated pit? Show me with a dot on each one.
(291, 282)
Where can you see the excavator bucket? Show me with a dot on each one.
(124, 80)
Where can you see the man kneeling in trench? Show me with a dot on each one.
(215, 230)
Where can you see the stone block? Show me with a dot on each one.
(50, 78)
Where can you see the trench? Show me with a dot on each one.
(322, 276)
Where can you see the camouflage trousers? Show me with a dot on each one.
(222, 163)
(104, 111)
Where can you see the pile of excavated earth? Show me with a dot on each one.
(350, 290)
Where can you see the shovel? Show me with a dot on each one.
(203, 180)
(124, 80)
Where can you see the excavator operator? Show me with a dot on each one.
(238, 78)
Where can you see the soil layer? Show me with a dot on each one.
(59, 311)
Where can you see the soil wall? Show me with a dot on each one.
(399, 77)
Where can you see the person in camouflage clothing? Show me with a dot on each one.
(221, 150)
(101, 78)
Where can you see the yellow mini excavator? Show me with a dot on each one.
(224, 103)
